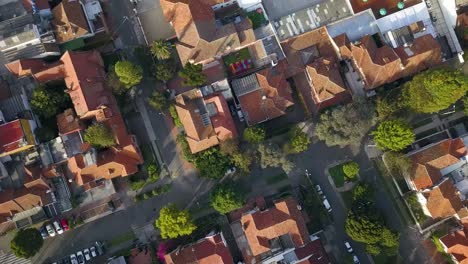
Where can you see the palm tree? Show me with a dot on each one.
(161, 49)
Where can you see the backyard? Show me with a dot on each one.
(238, 61)
(257, 18)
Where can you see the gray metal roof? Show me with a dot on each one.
(245, 85)
(355, 27)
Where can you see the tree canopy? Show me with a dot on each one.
(129, 74)
(435, 90)
(298, 141)
(47, 102)
(114, 82)
(158, 101)
(346, 125)
(161, 49)
(193, 75)
(212, 163)
(165, 70)
(351, 169)
(393, 135)
(365, 224)
(226, 198)
(254, 134)
(99, 136)
(271, 155)
(26, 243)
(398, 164)
(174, 223)
(44, 134)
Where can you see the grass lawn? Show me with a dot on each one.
(337, 175)
(234, 57)
(256, 18)
(276, 178)
(129, 236)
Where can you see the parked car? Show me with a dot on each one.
(50, 230)
(319, 189)
(80, 257)
(326, 204)
(58, 228)
(93, 251)
(230, 171)
(355, 259)
(73, 259)
(111, 206)
(348, 247)
(241, 115)
(87, 254)
(44, 233)
(64, 224)
(100, 248)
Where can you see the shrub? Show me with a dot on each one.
(254, 135)
(351, 170)
(175, 116)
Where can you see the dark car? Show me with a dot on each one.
(44, 233)
(111, 206)
(100, 248)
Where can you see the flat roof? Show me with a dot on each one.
(311, 17)
(391, 6)
(355, 27)
(245, 85)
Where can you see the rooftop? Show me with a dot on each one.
(69, 21)
(355, 27)
(391, 6)
(209, 250)
(311, 17)
(456, 242)
(443, 200)
(264, 95)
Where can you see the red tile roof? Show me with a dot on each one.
(428, 162)
(85, 79)
(11, 135)
(312, 253)
(210, 250)
(269, 101)
(222, 122)
(456, 242)
(68, 122)
(40, 5)
(375, 5)
(261, 226)
(69, 21)
(443, 200)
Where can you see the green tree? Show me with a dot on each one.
(229, 146)
(271, 155)
(226, 198)
(391, 105)
(153, 174)
(254, 134)
(351, 169)
(129, 74)
(175, 116)
(26, 243)
(174, 223)
(114, 82)
(99, 136)
(165, 70)
(193, 75)
(397, 164)
(298, 141)
(393, 135)
(158, 101)
(47, 102)
(242, 161)
(161, 49)
(435, 90)
(44, 134)
(346, 125)
(212, 163)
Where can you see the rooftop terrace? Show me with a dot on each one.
(391, 6)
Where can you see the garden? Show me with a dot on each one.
(257, 18)
(344, 172)
(238, 62)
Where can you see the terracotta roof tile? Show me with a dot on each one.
(69, 21)
(270, 100)
(428, 162)
(443, 200)
(12, 134)
(68, 122)
(456, 242)
(326, 80)
(284, 219)
(209, 250)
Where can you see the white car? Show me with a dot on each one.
(80, 257)
(50, 230)
(73, 259)
(327, 205)
(93, 252)
(58, 228)
(87, 255)
(348, 247)
(355, 259)
(318, 189)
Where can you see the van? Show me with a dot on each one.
(327, 205)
